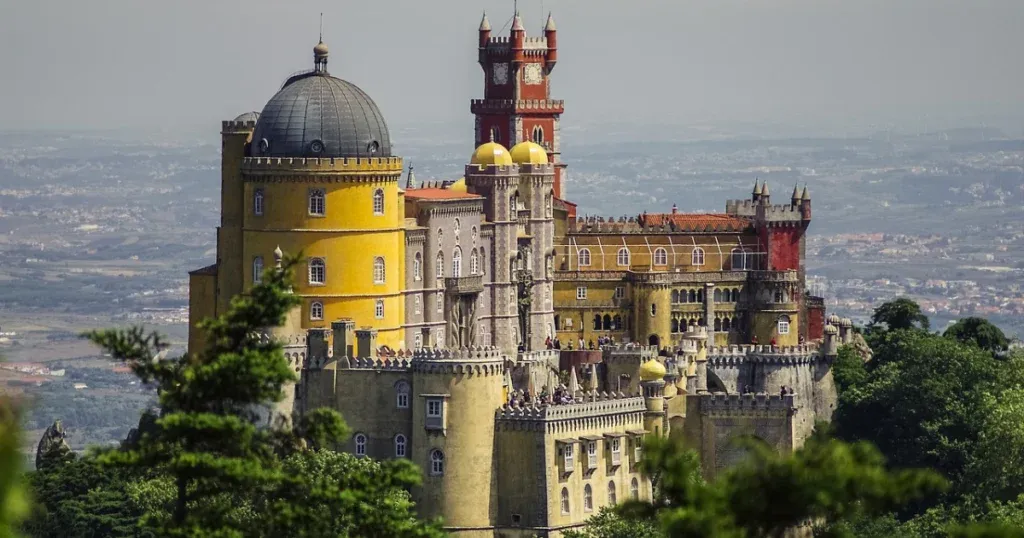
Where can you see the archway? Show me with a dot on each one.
(654, 340)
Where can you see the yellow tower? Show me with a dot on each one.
(652, 384)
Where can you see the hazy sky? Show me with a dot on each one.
(191, 63)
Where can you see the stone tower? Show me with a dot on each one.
(517, 102)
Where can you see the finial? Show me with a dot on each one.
(757, 188)
(485, 25)
(410, 182)
(321, 26)
(278, 255)
(796, 192)
(806, 195)
(550, 26)
(517, 23)
(764, 189)
(492, 135)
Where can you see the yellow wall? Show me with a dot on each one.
(600, 300)
(679, 247)
(765, 326)
(202, 300)
(229, 234)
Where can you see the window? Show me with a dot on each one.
(717, 295)
(739, 259)
(654, 309)
(402, 394)
(417, 267)
(584, 257)
(474, 263)
(567, 457)
(457, 262)
(620, 292)
(316, 202)
(581, 293)
(512, 208)
(592, 454)
(457, 228)
(692, 295)
(622, 258)
(565, 500)
(434, 408)
(436, 462)
(780, 297)
(316, 311)
(548, 204)
(611, 493)
(597, 322)
(783, 324)
(697, 257)
(378, 270)
(588, 498)
(317, 271)
(538, 134)
(472, 234)
(616, 451)
(718, 324)
(660, 256)
(257, 269)
(378, 202)
(417, 341)
(439, 266)
(416, 303)
(360, 444)
(440, 237)
(399, 446)
(634, 489)
(257, 202)
(617, 322)
(378, 309)
(440, 302)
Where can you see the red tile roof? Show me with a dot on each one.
(696, 221)
(438, 194)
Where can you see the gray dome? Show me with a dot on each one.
(317, 115)
(248, 116)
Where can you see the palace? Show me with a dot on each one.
(517, 353)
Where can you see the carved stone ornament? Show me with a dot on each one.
(532, 74)
(500, 73)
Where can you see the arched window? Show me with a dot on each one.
(735, 295)
(654, 309)
(257, 269)
(718, 324)
(660, 256)
(474, 262)
(378, 202)
(378, 309)
(257, 202)
(538, 134)
(457, 228)
(597, 322)
(675, 296)
(726, 324)
(399, 446)
(549, 204)
(588, 498)
(783, 324)
(472, 234)
(634, 489)
(317, 271)
(417, 267)
(402, 395)
(607, 322)
(512, 216)
(440, 302)
(617, 323)
(457, 262)
(360, 444)
(675, 325)
(718, 295)
(565, 500)
(316, 202)
(439, 269)
(611, 493)
(378, 270)
(436, 462)
(693, 296)
(483, 261)
(495, 135)
(584, 257)
(700, 296)
(622, 258)
(739, 259)
(316, 311)
(697, 257)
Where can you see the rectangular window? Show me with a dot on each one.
(435, 414)
(783, 327)
(378, 310)
(581, 293)
(567, 458)
(257, 202)
(616, 452)
(592, 454)
(620, 292)
(416, 300)
(440, 302)
(316, 202)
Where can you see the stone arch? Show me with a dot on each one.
(654, 340)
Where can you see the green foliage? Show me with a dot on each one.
(902, 313)
(14, 502)
(608, 523)
(848, 369)
(826, 480)
(979, 332)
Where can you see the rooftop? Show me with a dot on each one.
(694, 220)
(438, 194)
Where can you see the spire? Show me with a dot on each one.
(485, 25)
(764, 189)
(757, 188)
(550, 25)
(410, 181)
(517, 23)
(796, 192)
(806, 195)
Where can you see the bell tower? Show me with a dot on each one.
(517, 102)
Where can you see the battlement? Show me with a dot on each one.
(767, 354)
(789, 276)
(466, 354)
(499, 41)
(720, 403)
(395, 364)
(536, 43)
(629, 353)
(256, 165)
(546, 356)
(498, 106)
(590, 405)
(285, 340)
(232, 126)
(537, 169)
(685, 223)
(767, 213)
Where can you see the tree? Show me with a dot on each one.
(848, 369)
(979, 332)
(608, 523)
(769, 494)
(902, 313)
(14, 503)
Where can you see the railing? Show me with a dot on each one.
(464, 285)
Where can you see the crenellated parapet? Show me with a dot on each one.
(593, 410)
(240, 127)
(478, 360)
(386, 363)
(771, 214)
(735, 355)
(719, 404)
(647, 225)
(516, 106)
(542, 356)
(256, 166)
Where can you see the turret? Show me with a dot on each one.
(831, 348)
(551, 33)
(410, 180)
(805, 204)
(765, 197)
(485, 31)
(652, 385)
(796, 198)
(518, 37)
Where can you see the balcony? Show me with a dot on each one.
(464, 285)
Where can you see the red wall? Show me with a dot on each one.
(815, 322)
(784, 248)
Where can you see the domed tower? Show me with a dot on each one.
(455, 395)
(652, 385)
(315, 175)
(694, 345)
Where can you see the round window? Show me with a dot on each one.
(373, 147)
(316, 146)
(264, 145)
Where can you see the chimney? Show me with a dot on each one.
(343, 338)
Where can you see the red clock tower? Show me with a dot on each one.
(517, 103)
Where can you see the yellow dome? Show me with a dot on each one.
(458, 186)
(528, 152)
(652, 370)
(491, 153)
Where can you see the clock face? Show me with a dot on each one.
(532, 74)
(500, 72)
